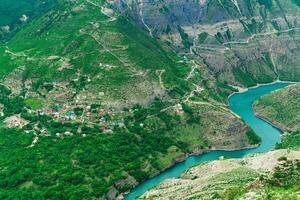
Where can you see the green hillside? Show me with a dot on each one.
(96, 96)
(91, 105)
(281, 107)
(15, 14)
(272, 175)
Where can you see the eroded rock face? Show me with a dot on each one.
(243, 42)
(158, 14)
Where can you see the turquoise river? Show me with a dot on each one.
(241, 104)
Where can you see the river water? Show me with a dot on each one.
(241, 104)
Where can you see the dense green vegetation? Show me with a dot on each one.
(76, 167)
(88, 165)
(281, 107)
(184, 37)
(253, 138)
(202, 37)
(74, 55)
(290, 141)
(282, 183)
(12, 11)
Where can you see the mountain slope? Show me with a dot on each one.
(272, 175)
(16, 14)
(91, 105)
(281, 107)
(243, 42)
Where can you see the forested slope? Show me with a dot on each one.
(16, 14)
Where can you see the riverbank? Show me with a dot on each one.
(281, 108)
(271, 122)
(200, 152)
(242, 90)
(203, 181)
(241, 104)
(183, 158)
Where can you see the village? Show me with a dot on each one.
(64, 104)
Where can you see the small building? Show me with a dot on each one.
(70, 115)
